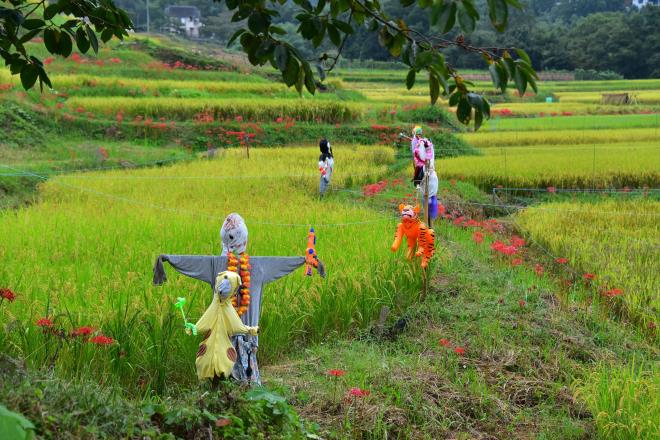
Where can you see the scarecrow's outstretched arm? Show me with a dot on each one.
(273, 268)
(199, 267)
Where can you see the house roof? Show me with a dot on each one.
(182, 11)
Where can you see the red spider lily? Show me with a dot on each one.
(379, 127)
(336, 373)
(566, 114)
(452, 182)
(279, 120)
(357, 392)
(552, 189)
(102, 340)
(589, 276)
(7, 294)
(517, 241)
(651, 325)
(472, 224)
(48, 61)
(539, 270)
(82, 331)
(497, 245)
(75, 58)
(561, 260)
(509, 250)
(613, 293)
(99, 62)
(459, 221)
(80, 109)
(459, 351)
(522, 303)
(445, 342)
(222, 421)
(115, 60)
(44, 322)
(239, 118)
(516, 262)
(478, 237)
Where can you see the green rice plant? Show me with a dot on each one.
(623, 400)
(91, 240)
(533, 109)
(247, 109)
(582, 122)
(617, 240)
(487, 139)
(568, 166)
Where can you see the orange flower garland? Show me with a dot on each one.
(233, 264)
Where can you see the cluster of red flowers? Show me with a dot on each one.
(48, 327)
(336, 373)
(357, 392)
(7, 294)
(504, 112)
(5, 87)
(374, 189)
(458, 350)
(377, 127)
(612, 293)
(511, 249)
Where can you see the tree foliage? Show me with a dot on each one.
(264, 41)
(62, 24)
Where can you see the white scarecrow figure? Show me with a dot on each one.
(254, 272)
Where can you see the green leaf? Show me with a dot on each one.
(51, 40)
(523, 55)
(290, 74)
(30, 35)
(65, 45)
(310, 85)
(334, 35)
(29, 75)
(258, 22)
(51, 11)
(434, 88)
(281, 57)
(498, 11)
(410, 79)
(464, 111)
(494, 75)
(520, 79)
(93, 41)
(237, 34)
(14, 426)
(106, 35)
(300, 82)
(276, 30)
(424, 58)
(81, 40)
(478, 119)
(33, 23)
(344, 27)
(453, 99)
(465, 20)
(444, 15)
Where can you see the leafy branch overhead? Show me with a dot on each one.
(60, 23)
(263, 40)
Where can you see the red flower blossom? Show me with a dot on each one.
(102, 340)
(651, 325)
(445, 342)
(336, 373)
(517, 241)
(522, 303)
(552, 189)
(7, 294)
(459, 351)
(539, 270)
(357, 392)
(239, 118)
(478, 237)
(44, 322)
(561, 260)
(614, 292)
(48, 60)
(516, 262)
(117, 60)
(279, 120)
(82, 331)
(589, 276)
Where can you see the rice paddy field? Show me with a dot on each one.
(133, 155)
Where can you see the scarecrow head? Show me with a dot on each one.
(234, 234)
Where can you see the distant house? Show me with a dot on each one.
(185, 20)
(641, 3)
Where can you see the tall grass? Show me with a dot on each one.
(249, 109)
(554, 137)
(617, 240)
(83, 256)
(623, 400)
(569, 166)
(584, 122)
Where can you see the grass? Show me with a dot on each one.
(615, 239)
(586, 122)
(562, 166)
(102, 232)
(631, 136)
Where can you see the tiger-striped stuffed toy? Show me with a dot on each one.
(417, 233)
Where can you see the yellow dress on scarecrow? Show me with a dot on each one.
(217, 355)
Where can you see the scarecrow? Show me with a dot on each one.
(254, 273)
